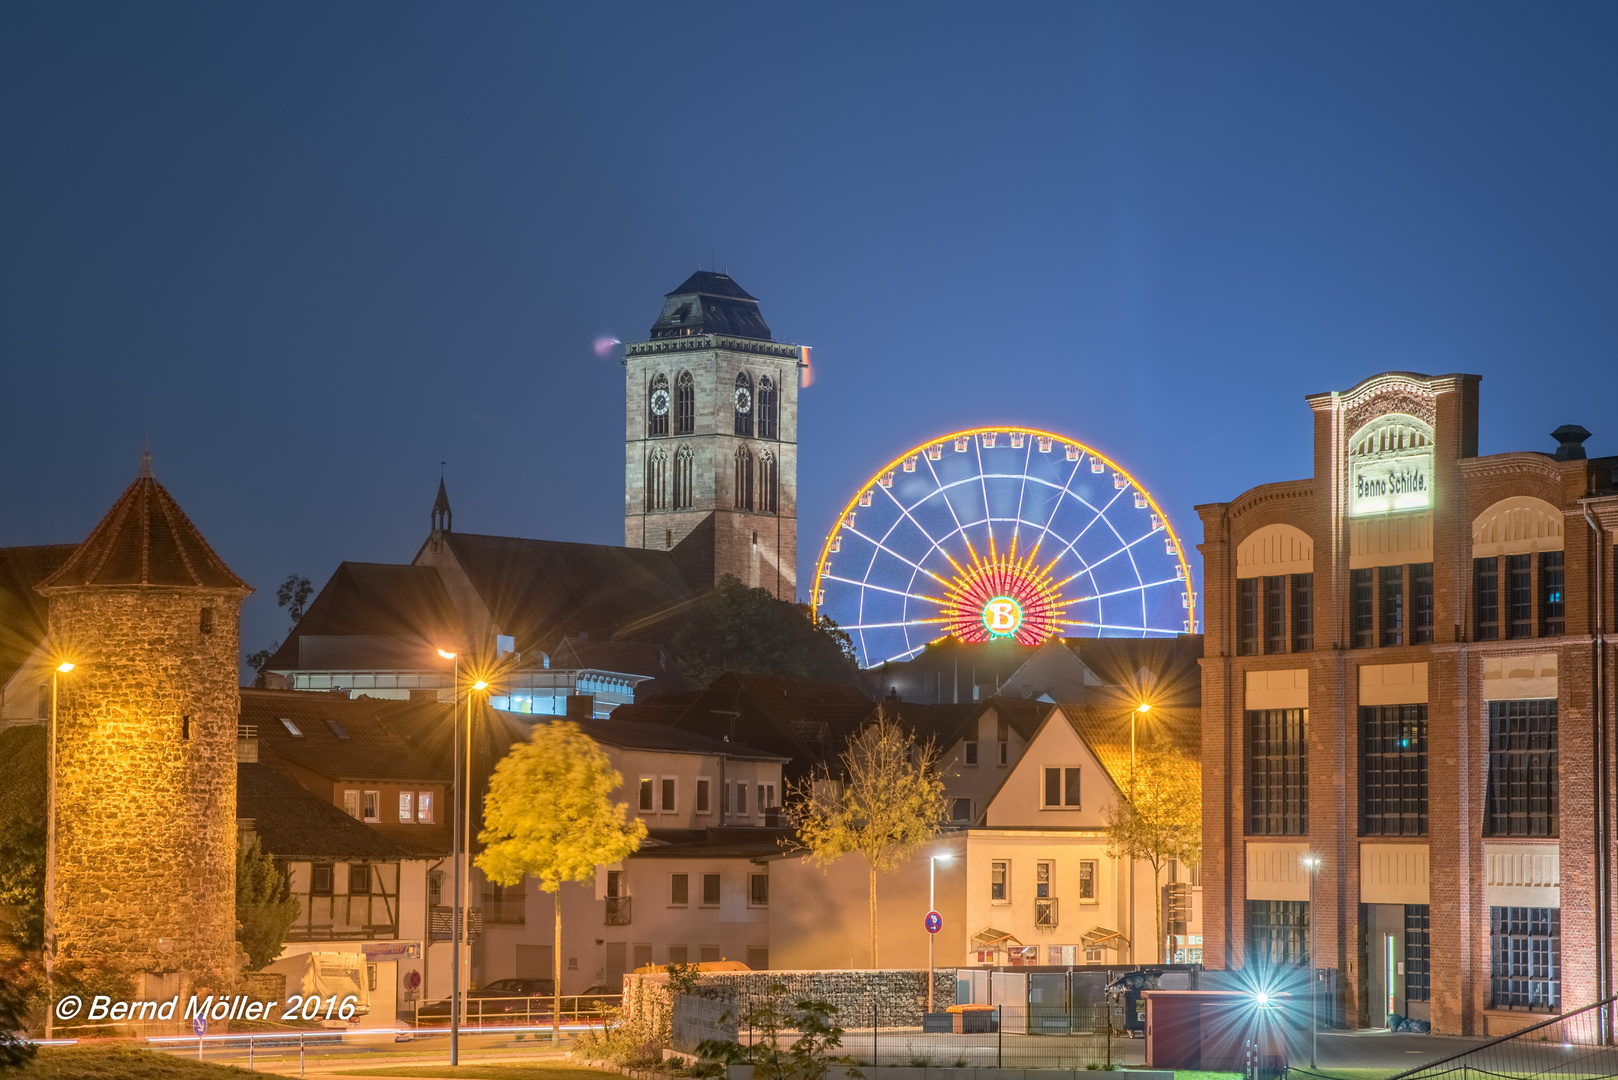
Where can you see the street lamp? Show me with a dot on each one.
(1311, 864)
(50, 862)
(932, 906)
(455, 870)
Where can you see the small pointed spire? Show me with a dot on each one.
(441, 511)
(145, 465)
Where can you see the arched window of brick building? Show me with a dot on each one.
(767, 499)
(744, 478)
(683, 496)
(657, 480)
(766, 408)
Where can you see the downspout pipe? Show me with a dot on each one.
(1602, 867)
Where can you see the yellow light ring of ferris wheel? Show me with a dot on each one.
(1168, 526)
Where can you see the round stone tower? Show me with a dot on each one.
(146, 748)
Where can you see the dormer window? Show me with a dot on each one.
(292, 729)
(337, 729)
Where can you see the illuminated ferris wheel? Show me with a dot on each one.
(1001, 532)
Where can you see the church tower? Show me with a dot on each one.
(146, 748)
(711, 438)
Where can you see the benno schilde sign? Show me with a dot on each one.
(1390, 467)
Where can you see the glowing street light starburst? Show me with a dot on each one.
(1004, 596)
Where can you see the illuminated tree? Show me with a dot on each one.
(549, 815)
(889, 801)
(265, 906)
(1160, 816)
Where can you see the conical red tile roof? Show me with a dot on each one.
(145, 539)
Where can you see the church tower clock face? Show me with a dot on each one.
(660, 402)
(744, 400)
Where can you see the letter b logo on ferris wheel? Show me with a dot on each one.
(1002, 616)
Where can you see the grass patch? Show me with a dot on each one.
(528, 1071)
(117, 1063)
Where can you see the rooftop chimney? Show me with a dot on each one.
(1571, 437)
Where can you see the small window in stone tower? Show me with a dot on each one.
(207, 620)
(185, 727)
(668, 538)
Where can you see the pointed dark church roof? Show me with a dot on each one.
(441, 511)
(145, 539)
(710, 303)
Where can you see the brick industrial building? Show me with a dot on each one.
(1408, 677)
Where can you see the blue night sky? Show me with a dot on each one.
(310, 250)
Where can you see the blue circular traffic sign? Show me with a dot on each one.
(935, 922)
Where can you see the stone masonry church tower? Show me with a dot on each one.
(711, 438)
(146, 748)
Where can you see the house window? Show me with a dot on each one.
(1247, 617)
(1421, 603)
(710, 890)
(406, 806)
(1303, 612)
(1486, 598)
(1000, 882)
(971, 753)
(424, 807)
(1044, 879)
(1277, 933)
(320, 879)
(758, 890)
(679, 890)
(1393, 770)
(1362, 608)
(704, 798)
(1525, 958)
(646, 794)
(338, 730)
(1087, 880)
(1520, 594)
(1277, 772)
(960, 810)
(292, 729)
(1392, 581)
(206, 625)
(1552, 607)
(685, 405)
(1418, 953)
(359, 879)
(1275, 614)
(678, 954)
(351, 803)
(372, 803)
(615, 885)
(767, 408)
(1002, 735)
(435, 888)
(669, 805)
(1521, 799)
(1061, 788)
(741, 798)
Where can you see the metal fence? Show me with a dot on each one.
(484, 1011)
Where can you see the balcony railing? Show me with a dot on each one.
(617, 911)
(1045, 914)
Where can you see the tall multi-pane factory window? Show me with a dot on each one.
(1362, 608)
(1277, 933)
(1418, 953)
(1392, 581)
(1520, 594)
(1303, 612)
(1486, 598)
(1525, 958)
(1277, 772)
(1393, 770)
(1247, 617)
(1522, 794)
(1552, 604)
(1421, 604)
(1275, 614)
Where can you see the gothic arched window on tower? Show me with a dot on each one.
(683, 496)
(657, 406)
(766, 408)
(685, 405)
(657, 480)
(744, 404)
(767, 499)
(744, 478)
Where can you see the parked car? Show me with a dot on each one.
(499, 997)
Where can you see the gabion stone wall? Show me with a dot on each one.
(895, 998)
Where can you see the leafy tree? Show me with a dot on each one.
(549, 815)
(1160, 816)
(16, 980)
(293, 594)
(22, 834)
(889, 802)
(265, 906)
(808, 1058)
(736, 628)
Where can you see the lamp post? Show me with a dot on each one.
(1140, 710)
(50, 861)
(455, 871)
(1311, 863)
(932, 906)
(466, 853)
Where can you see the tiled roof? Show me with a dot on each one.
(710, 303)
(1173, 675)
(371, 750)
(1106, 731)
(428, 841)
(541, 591)
(145, 539)
(727, 842)
(22, 609)
(294, 823)
(372, 616)
(637, 736)
(807, 721)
